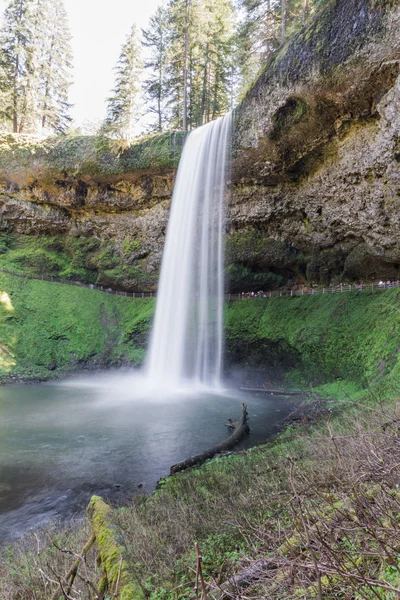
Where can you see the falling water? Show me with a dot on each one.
(187, 338)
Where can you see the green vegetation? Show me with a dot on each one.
(322, 338)
(86, 156)
(35, 67)
(41, 335)
(336, 344)
(87, 260)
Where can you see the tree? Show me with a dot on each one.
(56, 63)
(16, 60)
(283, 19)
(179, 49)
(123, 104)
(200, 71)
(34, 65)
(156, 91)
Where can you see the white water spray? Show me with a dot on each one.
(187, 337)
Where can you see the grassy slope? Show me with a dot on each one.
(351, 336)
(39, 327)
(338, 341)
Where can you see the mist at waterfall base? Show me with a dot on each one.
(107, 433)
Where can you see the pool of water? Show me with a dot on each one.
(63, 441)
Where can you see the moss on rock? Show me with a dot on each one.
(26, 157)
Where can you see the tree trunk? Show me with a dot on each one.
(243, 580)
(305, 11)
(120, 575)
(185, 67)
(240, 430)
(15, 96)
(283, 15)
(204, 90)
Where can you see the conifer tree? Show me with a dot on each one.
(200, 60)
(34, 65)
(56, 64)
(156, 91)
(16, 60)
(123, 104)
(180, 24)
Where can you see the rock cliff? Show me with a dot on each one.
(315, 174)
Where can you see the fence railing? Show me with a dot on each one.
(338, 289)
(90, 286)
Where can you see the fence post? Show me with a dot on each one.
(372, 287)
(341, 287)
(291, 292)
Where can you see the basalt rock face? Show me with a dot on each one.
(315, 175)
(317, 149)
(91, 197)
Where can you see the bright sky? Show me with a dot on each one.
(99, 28)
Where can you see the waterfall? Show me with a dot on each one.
(187, 337)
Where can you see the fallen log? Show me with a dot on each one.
(120, 579)
(275, 392)
(240, 430)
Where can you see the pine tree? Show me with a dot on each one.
(123, 104)
(200, 73)
(219, 45)
(34, 65)
(180, 23)
(56, 64)
(156, 39)
(16, 61)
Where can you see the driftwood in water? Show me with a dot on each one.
(240, 430)
(274, 392)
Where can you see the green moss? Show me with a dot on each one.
(87, 260)
(87, 155)
(291, 113)
(39, 328)
(323, 338)
(112, 552)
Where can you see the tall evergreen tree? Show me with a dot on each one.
(55, 69)
(16, 60)
(180, 39)
(123, 104)
(200, 60)
(155, 37)
(34, 65)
